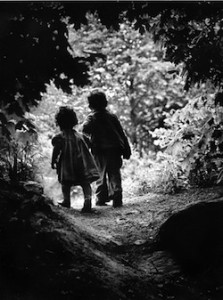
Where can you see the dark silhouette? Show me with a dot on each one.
(194, 236)
(108, 144)
(72, 159)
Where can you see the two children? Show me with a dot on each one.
(74, 163)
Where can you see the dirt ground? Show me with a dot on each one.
(129, 232)
(50, 252)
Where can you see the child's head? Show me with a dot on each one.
(97, 101)
(66, 118)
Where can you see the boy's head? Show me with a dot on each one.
(97, 100)
(66, 118)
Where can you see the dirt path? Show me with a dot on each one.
(140, 217)
(127, 233)
(60, 253)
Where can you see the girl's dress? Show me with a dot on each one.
(75, 164)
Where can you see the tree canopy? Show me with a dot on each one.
(35, 49)
(191, 32)
(34, 45)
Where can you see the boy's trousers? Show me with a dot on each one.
(109, 185)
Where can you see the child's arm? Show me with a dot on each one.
(88, 125)
(56, 151)
(127, 149)
(55, 155)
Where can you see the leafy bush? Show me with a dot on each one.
(135, 174)
(18, 153)
(194, 138)
(142, 175)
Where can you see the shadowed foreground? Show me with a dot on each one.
(48, 252)
(46, 255)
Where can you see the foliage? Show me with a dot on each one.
(161, 174)
(52, 99)
(38, 32)
(194, 138)
(40, 40)
(141, 87)
(18, 154)
(135, 172)
(34, 49)
(191, 34)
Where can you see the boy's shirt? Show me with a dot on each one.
(105, 132)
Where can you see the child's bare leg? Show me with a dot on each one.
(87, 197)
(66, 195)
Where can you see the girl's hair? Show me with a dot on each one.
(97, 100)
(66, 118)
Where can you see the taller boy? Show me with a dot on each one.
(108, 144)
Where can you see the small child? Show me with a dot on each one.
(71, 158)
(109, 144)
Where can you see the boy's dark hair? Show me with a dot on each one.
(66, 118)
(97, 100)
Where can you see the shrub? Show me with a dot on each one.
(194, 138)
(18, 155)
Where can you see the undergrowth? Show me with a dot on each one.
(150, 173)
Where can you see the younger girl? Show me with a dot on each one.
(72, 159)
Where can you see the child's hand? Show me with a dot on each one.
(53, 165)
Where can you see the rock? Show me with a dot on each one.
(194, 236)
(139, 242)
(33, 186)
